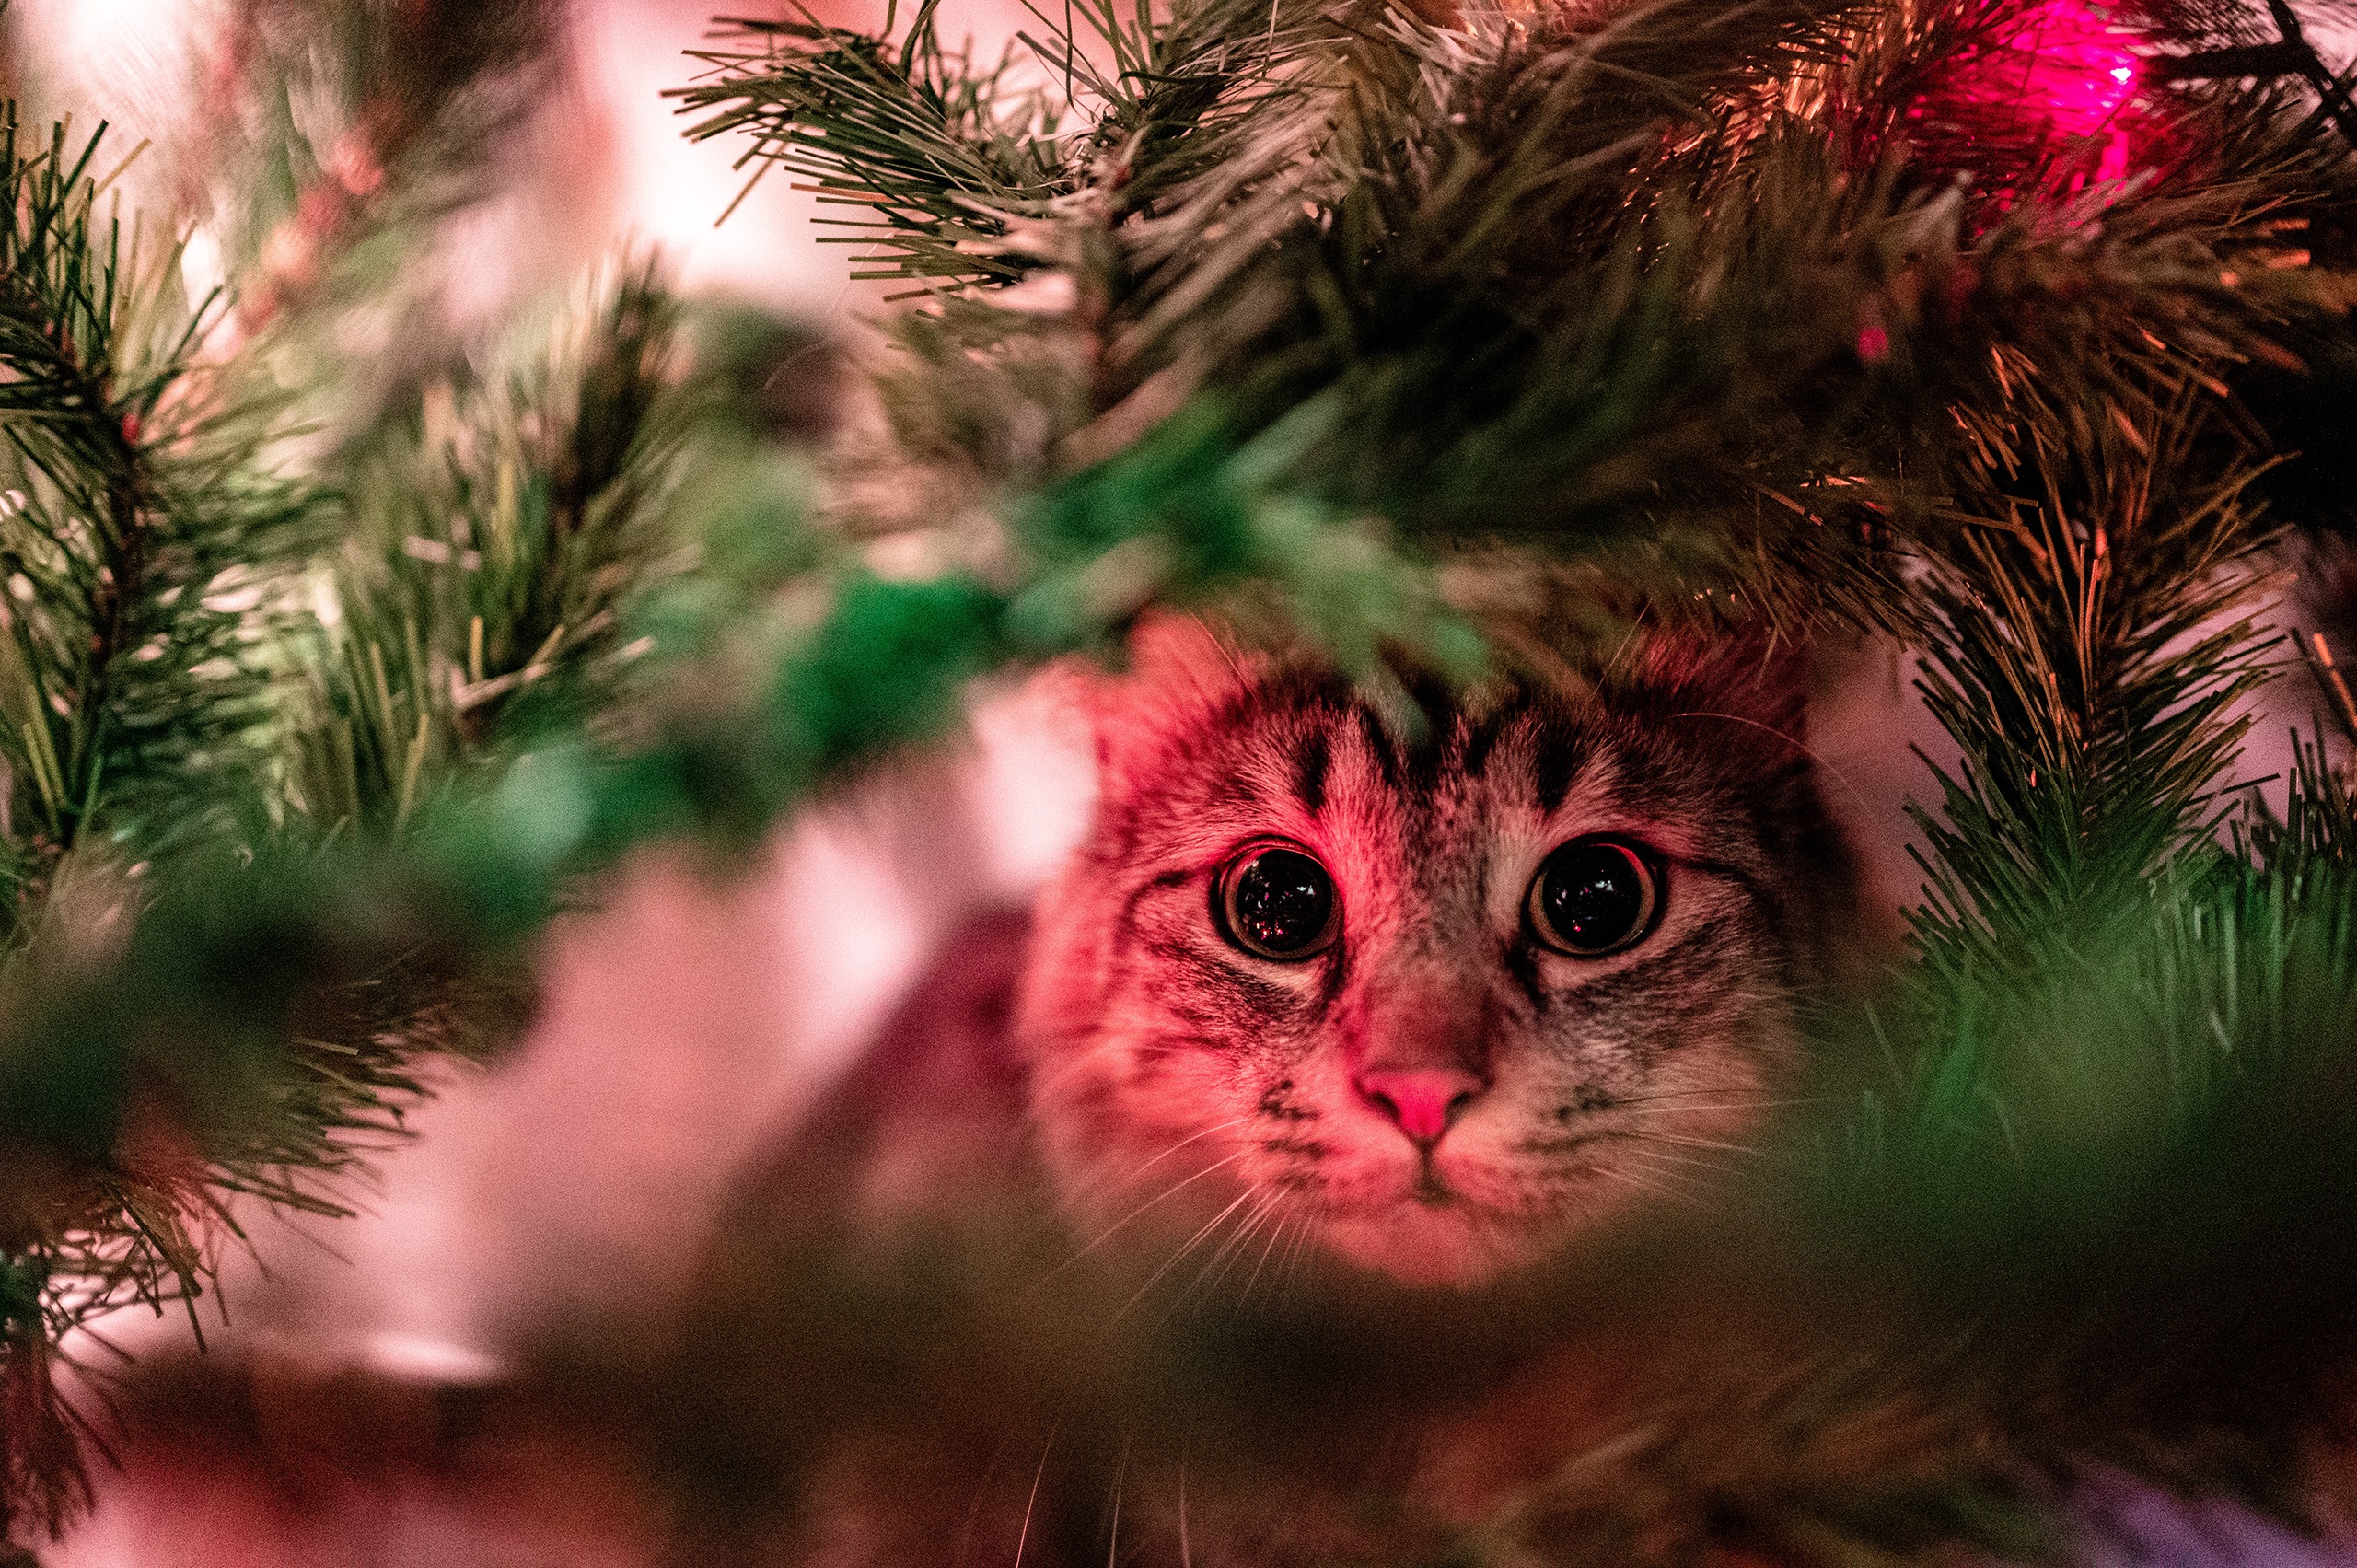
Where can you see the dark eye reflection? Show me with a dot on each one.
(1593, 897)
(1276, 902)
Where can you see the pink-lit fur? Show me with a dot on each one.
(1405, 1102)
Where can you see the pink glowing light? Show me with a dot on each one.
(2077, 75)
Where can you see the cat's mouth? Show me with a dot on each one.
(1436, 1237)
(1430, 1231)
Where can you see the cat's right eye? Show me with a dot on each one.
(1276, 902)
(1593, 897)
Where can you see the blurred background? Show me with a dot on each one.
(414, 176)
(408, 178)
(592, 157)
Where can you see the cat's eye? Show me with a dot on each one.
(1276, 902)
(1593, 897)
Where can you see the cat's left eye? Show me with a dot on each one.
(1276, 902)
(1593, 897)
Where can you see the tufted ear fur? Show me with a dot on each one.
(1746, 676)
(1745, 696)
(1182, 676)
(1742, 702)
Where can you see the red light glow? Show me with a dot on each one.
(2077, 74)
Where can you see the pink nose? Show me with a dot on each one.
(1422, 1100)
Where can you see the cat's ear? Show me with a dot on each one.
(1752, 678)
(1750, 691)
(1182, 677)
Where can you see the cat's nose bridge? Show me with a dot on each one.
(1421, 1054)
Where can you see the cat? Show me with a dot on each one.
(1357, 1017)
(1442, 1004)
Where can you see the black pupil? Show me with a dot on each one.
(1592, 894)
(1281, 901)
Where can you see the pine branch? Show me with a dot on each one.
(494, 536)
(965, 169)
(2088, 651)
(932, 149)
(285, 993)
(140, 548)
(1599, 284)
(2122, 1053)
(339, 132)
(2088, 647)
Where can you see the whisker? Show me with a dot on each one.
(1186, 1246)
(1625, 1138)
(1276, 1234)
(1191, 1138)
(1296, 1254)
(1120, 1474)
(1693, 1188)
(981, 1494)
(1233, 1248)
(1186, 1557)
(1684, 1099)
(1215, 1268)
(1682, 1108)
(1645, 1149)
(1689, 1141)
(1107, 1234)
(1655, 1188)
(1208, 1275)
(1023, 1536)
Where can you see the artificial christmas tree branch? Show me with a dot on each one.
(172, 695)
(1537, 297)
(494, 532)
(2092, 654)
(129, 508)
(133, 704)
(1790, 310)
(338, 130)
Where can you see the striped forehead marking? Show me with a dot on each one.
(1316, 756)
(1554, 750)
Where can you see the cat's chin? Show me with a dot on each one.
(1428, 1248)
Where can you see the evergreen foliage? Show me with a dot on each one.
(140, 546)
(1337, 317)
(217, 667)
(335, 132)
(490, 537)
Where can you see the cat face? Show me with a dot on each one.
(1431, 1008)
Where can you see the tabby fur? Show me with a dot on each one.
(1172, 1069)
